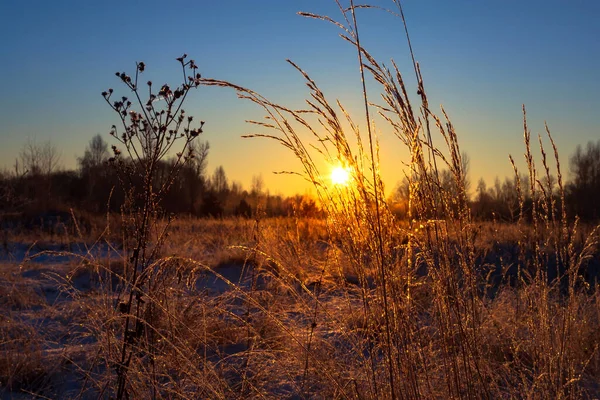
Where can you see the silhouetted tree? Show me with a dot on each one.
(97, 179)
(194, 175)
(211, 206)
(584, 188)
(36, 162)
(38, 159)
(219, 181)
(219, 188)
(482, 205)
(243, 209)
(96, 153)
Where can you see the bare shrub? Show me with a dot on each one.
(148, 135)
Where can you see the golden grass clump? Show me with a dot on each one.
(425, 312)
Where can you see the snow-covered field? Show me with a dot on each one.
(241, 313)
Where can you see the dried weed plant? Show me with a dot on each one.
(149, 134)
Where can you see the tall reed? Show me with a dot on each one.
(426, 318)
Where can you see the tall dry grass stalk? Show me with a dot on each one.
(426, 319)
(554, 296)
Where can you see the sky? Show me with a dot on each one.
(481, 60)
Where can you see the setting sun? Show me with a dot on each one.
(340, 176)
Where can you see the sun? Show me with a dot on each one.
(340, 176)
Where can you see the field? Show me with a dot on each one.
(277, 308)
(433, 295)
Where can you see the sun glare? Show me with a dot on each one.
(340, 176)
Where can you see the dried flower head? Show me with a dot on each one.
(165, 91)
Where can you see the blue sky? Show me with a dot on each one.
(480, 59)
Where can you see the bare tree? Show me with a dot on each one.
(38, 159)
(200, 152)
(219, 181)
(585, 166)
(258, 185)
(96, 153)
(584, 188)
(194, 173)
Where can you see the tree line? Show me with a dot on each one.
(502, 201)
(36, 185)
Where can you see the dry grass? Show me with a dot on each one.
(303, 320)
(358, 305)
(425, 292)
